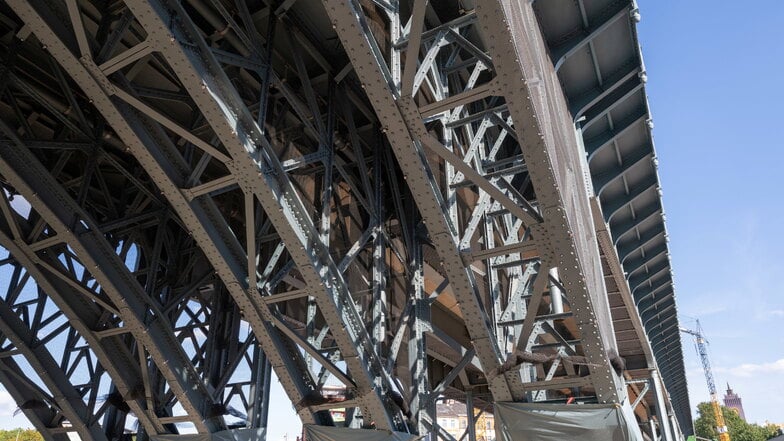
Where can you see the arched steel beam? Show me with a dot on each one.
(671, 354)
(656, 313)
(614, 89)
(562, 52)
(625, 249)
(41, 415)
(641, 214)
(598, 143)
(84, 316)
(259, 173)
(674, 345)
(64, 395)
(155, 152)
(602, 179)
(142, 318)
(631, 266)
(664, 326)
(524, 59)
(654, 301)
(409, 149)
(611, 206)
(622, 85)
(650, 272)
(658, 330)
(652, 287)
(660, 270)
(668, 344)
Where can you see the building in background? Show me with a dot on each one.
(733, 401)
(451, 415)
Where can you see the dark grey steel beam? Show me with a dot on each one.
(519, 53)
(64, 394)
(651, 287)
(260, 173)
(348, 19)
(61, 212)
(149, 148)
(37, 412)
(606, 139)
(651, 271)
(603, 178)
(611, 206)
(621, 87)
(621, 83)
(664, 302)
(569, 48)
(85, 317)
(660, 270)
(632, 265)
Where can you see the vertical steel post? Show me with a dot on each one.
(422, 406)
(661, 407)
(556, 296)
(676, 432)
(471, 417)
(259, 391)
(380, 307)
(652, 423)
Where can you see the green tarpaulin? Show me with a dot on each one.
(324, 433)
(558, 422)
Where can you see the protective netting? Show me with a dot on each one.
(225, 435)
(325, 433)
(558, 422)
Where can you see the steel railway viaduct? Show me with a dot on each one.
(404, 199)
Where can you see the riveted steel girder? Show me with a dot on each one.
(83, 315)
(259, 172)
(239, 182)
(148, 145)
(556, 240)
(76, 228)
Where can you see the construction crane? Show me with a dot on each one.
(702, 349)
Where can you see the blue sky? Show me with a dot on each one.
(713, 70)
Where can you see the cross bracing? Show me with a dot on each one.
(386, 199)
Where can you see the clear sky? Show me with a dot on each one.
(714, 84)
(714, 71)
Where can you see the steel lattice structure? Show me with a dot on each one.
(389, 198)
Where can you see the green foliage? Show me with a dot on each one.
(20, 435)
(705, 426)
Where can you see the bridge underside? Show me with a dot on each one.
(385, 204)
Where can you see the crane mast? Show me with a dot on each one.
(702, 349)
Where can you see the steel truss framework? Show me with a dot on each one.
(386, 199)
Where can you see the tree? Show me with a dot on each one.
(21, 435)
(739, 430)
